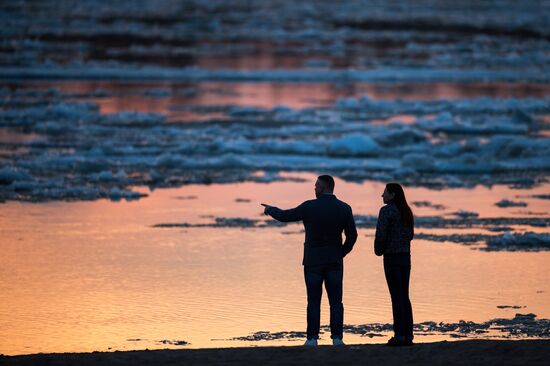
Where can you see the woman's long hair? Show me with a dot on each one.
(401, 202)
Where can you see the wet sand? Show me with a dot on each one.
(475, 352)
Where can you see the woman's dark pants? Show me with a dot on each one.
(397, 268)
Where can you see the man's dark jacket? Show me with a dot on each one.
(324, 220)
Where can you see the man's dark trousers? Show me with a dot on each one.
(332, 275)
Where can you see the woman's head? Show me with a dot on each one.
(394, 193)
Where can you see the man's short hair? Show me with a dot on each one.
(328, 181)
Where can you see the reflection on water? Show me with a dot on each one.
(9, 136)
(173, 99)
(90, 276)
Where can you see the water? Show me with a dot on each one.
(170, 98)
(86, 276)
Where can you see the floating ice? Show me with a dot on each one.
(428, 204)
(116, 194)
(174, 342)
(353, 144)
(449, 125)
(368, 221)
(541, 196)
(519, 242)
(509, 306)
(507, 241)
(454, 238)
(9, 175)
(84, 147)
(465, 214)
(509, 203)
(194, 74)
(133, 119)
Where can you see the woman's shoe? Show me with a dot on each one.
(395, 342)
(392, 342)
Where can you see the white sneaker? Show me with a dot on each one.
(311, 342)
(338, 342)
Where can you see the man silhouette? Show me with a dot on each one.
(324, 220)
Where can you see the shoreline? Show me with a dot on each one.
(472, 352)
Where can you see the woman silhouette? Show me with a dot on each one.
(394, 232)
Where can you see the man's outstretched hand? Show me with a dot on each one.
(266, 207)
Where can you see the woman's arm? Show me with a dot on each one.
(382, 226)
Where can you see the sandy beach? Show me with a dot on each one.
(474, 352)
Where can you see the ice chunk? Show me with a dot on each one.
(353, 144)
(520, 241)
(466, 214)
(509, 203)
(418, 161)
(9, 175)
(116, 194)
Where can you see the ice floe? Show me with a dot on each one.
(429, 204)
(507, 241)
(465, 214)
(510, 306)
(519, 242)
(173, 342)
(541, 196)
(508, 203)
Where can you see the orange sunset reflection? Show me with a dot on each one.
(84, 276)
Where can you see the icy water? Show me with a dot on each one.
(175, 99)
(137, 141)
(84, 276)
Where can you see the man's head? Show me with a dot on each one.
(324, 184)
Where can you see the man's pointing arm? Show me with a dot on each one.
(293, 214)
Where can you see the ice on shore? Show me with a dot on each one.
(520, 326)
